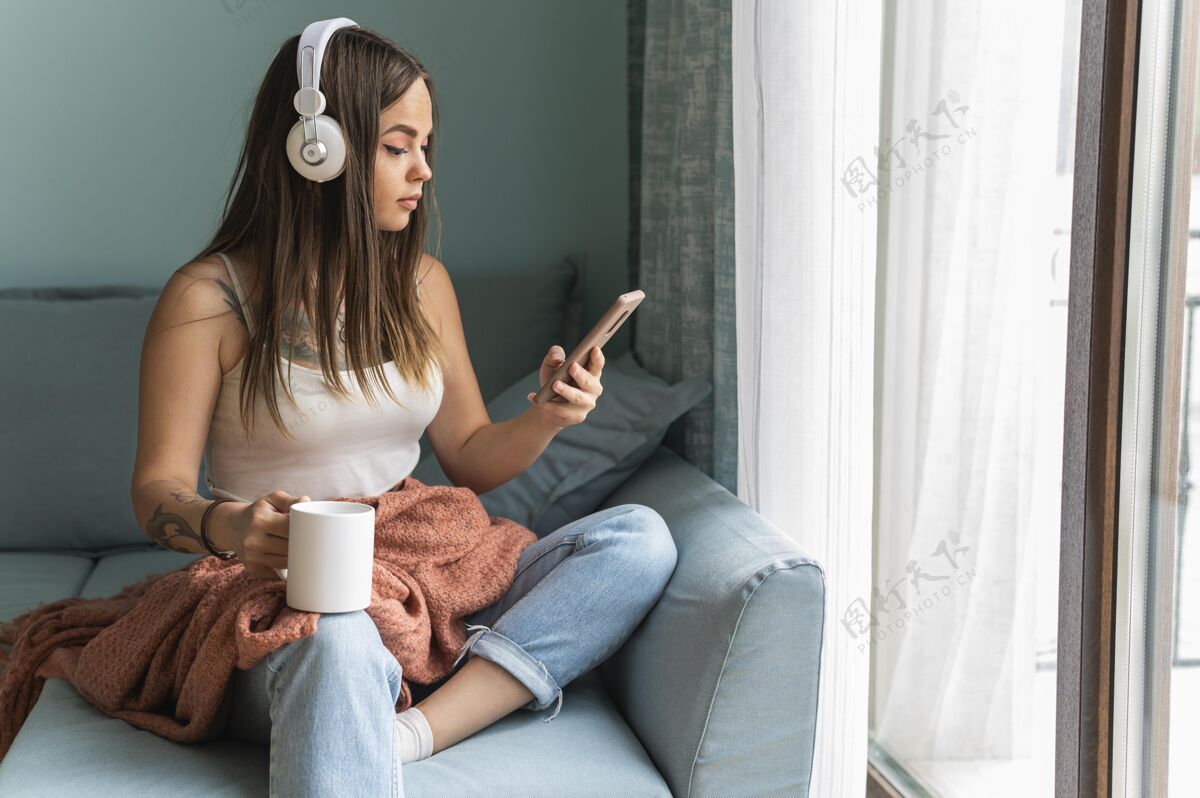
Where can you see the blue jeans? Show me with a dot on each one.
(325, 703)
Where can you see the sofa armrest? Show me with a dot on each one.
(719, 681)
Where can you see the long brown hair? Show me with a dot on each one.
(307, 236)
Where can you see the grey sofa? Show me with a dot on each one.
(714, 695)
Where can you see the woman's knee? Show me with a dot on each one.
(350, 637)
(651, 542)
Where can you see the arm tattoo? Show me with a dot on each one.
(165, 527)
(187, 497)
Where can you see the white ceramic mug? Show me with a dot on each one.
(331, 556)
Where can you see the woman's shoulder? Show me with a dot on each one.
(426, 266)
(198, 307)
(201, 286)
(204, 288)
(434, 290)
(433, 279)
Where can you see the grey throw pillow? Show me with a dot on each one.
(585, 462)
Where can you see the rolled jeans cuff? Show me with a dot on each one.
(493, 646)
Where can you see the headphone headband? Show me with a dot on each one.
(312, 48)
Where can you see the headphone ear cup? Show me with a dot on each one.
(329, 133)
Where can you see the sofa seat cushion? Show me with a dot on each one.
(587, 749)
(27, 580)
(116, 571)
(69, 747)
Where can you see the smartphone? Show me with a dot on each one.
(609, 323)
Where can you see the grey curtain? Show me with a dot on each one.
(681, 250)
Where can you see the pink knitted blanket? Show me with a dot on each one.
(161, 653)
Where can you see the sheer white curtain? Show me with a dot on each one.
(966, 401)
(805, 104)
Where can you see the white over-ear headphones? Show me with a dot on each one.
(321, 154)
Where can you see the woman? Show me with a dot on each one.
(322, 290)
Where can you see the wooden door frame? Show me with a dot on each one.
(1091, 433)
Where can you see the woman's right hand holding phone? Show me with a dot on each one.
(257, 531)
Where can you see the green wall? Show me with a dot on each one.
(123, 120)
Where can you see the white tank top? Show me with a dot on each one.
(340, 447)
